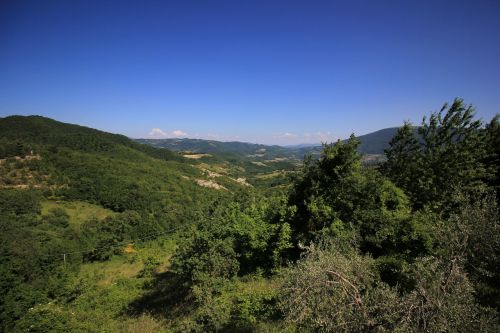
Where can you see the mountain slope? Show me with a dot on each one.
(73, 197)
(260, 165)
(376, 142)
(232, 148)
(371, 143)
(80, 163)
(37, 130)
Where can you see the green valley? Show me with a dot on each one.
(101, 233)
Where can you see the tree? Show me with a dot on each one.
(403, 157)
(472, 236)
(447, 154)
(335, 195)
(326, 189)
(492, 160)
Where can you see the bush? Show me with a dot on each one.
(340, 291)
(57, 217)
(329, 291)
(19, 202)
(48, 318)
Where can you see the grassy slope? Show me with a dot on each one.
(109, 287)
(101, 293)
(87, 172)
(78, 211)
(107, 290)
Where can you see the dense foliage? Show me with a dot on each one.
(113, 236)
(452, 152)
(50, 163)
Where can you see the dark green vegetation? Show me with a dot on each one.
(263, 165)
(235, 148)
(410, 245)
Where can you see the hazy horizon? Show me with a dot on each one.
(270, 72)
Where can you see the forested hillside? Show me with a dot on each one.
(70, 189)
(263, 165)
(102, 234)
(236, 148)
(371, 143)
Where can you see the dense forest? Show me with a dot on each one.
(99, 233)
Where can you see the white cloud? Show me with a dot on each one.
(157, 133)
(283, 138)
(179, 134)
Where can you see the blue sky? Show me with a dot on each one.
(261, 71)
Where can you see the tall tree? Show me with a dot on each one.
(326, 188)
(447, 153)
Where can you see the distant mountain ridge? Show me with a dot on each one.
(44, 130)
(372, 143)
(231, 164)
(376, 142)
(82, 160)
(209, 146)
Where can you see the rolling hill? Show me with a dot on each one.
(260, 165)
(81, 163)
(53, 148)
(372, 144)
(263, 165)
(93, 196)
(101, 232)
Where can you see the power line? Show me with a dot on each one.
(64, 255)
